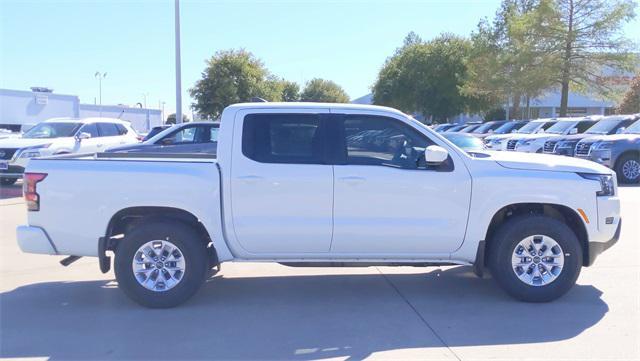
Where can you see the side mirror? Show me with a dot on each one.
(490, 131)
(83, 135)
(435, 155)
(621, 130)
(573, 131)
(513, 130)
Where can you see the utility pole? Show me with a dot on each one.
(98, 75)
(178, 75)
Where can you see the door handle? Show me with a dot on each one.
(250, 178)
(352, 179)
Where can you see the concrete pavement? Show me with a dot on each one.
(255, 311)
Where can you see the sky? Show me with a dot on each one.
(61, 44)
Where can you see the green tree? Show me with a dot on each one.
(427, 77)
(231, 76)
(503, 67)
(631, 101)
(324, 91)
(171, 119)
(280, 90)
(584, 37)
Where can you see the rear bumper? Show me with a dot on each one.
(596, 248)
(35, 240)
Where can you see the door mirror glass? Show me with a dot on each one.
(83, 135)
(573, 131)
(435, 155)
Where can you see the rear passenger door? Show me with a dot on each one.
(281, 187)
(109, 136)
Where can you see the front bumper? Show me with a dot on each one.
(563, 151)
(14, 171)
(596, 248)
(35, 240)
(599, 156)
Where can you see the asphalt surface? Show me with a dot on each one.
(254, 311)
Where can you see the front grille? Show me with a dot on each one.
(511, 145)
(549, 146)
(7, 153)
(583, 148)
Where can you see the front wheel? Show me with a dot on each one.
(535, 258)
(628, 169)
(161, 264)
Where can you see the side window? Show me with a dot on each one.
(122, 130)
(584, 125)
(381, 141)
(213, 134)
(108, 129)
(282, 138)
(185, 135)
(91, 129)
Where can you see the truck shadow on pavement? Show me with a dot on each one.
(288, 317)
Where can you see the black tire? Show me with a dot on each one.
(504, 242)
(626, 158)
(8, 181)
(182, 236)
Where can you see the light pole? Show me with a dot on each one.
(178, 75)
(144, 96)
(161, 105)
(98, 75)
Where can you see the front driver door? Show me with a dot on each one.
(387, 200)
(281, 188)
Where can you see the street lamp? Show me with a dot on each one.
(98, 75)
(178, 75)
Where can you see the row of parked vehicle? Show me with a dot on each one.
(613, 141)
(90, 135)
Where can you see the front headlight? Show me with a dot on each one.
(601, 146)
(32, 152)
(606, 183)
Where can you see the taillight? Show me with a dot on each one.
(29, 184)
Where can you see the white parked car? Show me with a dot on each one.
(61, 136)
(322, 184)
(534, 143)
(499, 141)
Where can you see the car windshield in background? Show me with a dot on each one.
(634, 128)
(604, 126)
(508, 127)
(530, 128)
(466, 142)
(469, 128)
(52, 130)
(560, 127)
(484, 128)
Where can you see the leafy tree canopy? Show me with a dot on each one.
(324, 91)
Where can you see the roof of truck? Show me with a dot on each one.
(298, 105)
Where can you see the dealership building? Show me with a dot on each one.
(21, 109)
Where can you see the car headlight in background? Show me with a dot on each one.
(32, 152)
(606, 183)
(601, 146)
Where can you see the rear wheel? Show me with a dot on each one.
(535, 258)
(161, 264)
(8, 181)
(628, 169)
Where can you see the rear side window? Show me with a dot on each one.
(122, 130)
(283, 138)
(90, 128)
(108, 129)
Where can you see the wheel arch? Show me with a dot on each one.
(125, 219)
(557, 211)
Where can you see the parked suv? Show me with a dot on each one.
(620, 152)
(606, 126)
(199, 137)
(533, 143)
(61, 136)
(500, 141)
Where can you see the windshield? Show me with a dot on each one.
(530, 128)
(605, 126)
(560, 127)
(52, 130)
(484, 128)
(508, 127)
(634, 128)
(469, 128)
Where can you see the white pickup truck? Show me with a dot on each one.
(322, 185)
